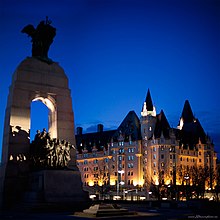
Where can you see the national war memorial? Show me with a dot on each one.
(44, 170)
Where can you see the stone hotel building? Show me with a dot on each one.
(145, 152)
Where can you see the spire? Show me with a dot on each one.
(186, 116)
(148, 108)
(148, 101)
(187, 113)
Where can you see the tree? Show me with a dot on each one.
(100, 175)
(217, 181)
(200, 175)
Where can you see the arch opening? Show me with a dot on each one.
(43, 115)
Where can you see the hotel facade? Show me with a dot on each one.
(145, 156)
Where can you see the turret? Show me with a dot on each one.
(148, 108)
(187, 115)
(148, 117)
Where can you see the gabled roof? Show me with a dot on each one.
(148, 100)
(129, 129)
(162, 126)
(130, 126)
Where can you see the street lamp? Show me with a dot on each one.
(186, 177)
(119, 182)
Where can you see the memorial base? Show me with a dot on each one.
(56, 186)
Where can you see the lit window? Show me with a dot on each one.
(121, 150)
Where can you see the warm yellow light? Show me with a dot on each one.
(141, 183)
(178, 183)
(181, 124)
(91, 183)
(112, 182)
(167, 182)
(156, 182)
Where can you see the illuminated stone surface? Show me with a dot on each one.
(33, 80)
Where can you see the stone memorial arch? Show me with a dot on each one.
(38, 78)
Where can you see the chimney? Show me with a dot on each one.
(100, 128)
(79, 130)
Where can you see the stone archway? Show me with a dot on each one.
(33, 80)
(50, 103)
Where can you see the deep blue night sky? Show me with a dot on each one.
(114, 50)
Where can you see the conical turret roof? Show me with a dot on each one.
(148, 100)
(187, 114)
(162, 126)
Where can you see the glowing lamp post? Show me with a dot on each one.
(119, 182)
